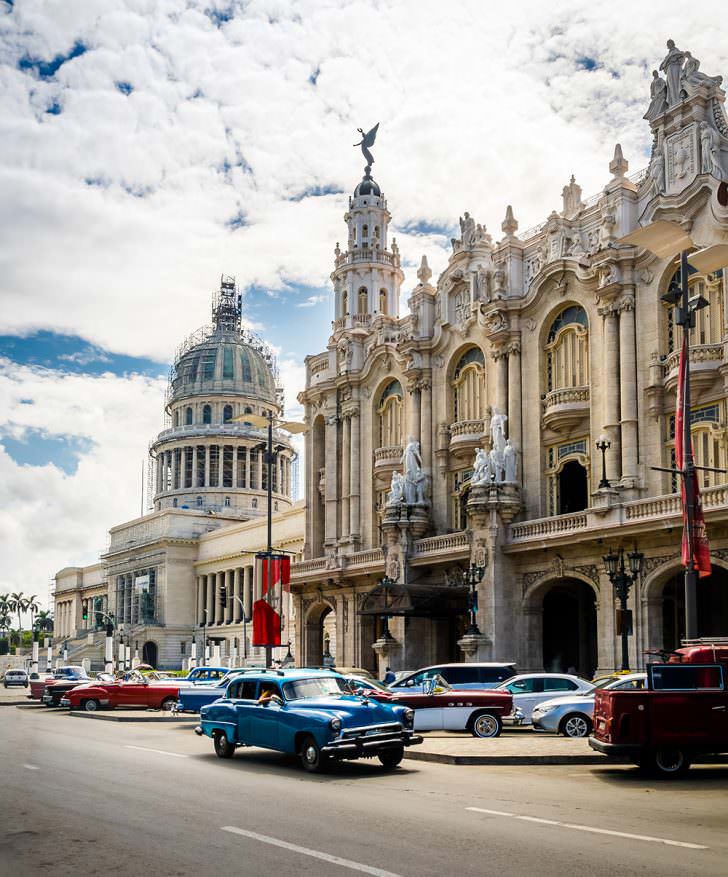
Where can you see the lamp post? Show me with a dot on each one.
(386, 583)
(666, 239)
(267, 421)
(602, 445)
(472, 578)
(622, 581)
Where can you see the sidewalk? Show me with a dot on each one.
(514, 746)
(14, 695)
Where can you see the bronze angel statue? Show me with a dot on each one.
(366, 141)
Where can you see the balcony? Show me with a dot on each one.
(465, 437)
(387, 458)
(448, 546)
(564, 408)
(704, 362)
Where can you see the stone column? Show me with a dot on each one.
(237, 595)
(248, 590)
(345, 476)
(260, 470)
(210, 588)
(415, 423)
(426, 423)
(229, 591)
(159, 472)
(628, 390)
(354, 470)
(514, 399)
(207, 466)
(331, 497)
(501, 380)
(220, 458)
(610, 374)
(200, 598)
(235, 465)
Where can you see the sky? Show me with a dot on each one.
(149, 146)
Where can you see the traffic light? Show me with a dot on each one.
(222, 595)
(84, 610)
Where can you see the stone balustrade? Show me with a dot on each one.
(474, 428)
(566, 396)
(700, 353)
(540, 527)
(306, 567)
(387, 456)
(373, 557)
(442, 544)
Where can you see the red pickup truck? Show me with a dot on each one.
(682, 713)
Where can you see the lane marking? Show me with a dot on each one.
(30, 767)
(158, 751)
(592, 829)
(315, 854)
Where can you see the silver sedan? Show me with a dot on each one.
(572, 715)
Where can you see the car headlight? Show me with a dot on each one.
(542, 710)
(409, 717)
(335, 725)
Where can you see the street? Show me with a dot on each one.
(88, 796)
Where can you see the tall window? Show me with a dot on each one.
(227, 363)
(567, 478)
(469, 386)
(567, 350)
(227, 414)
(207, 414)
(389, 413)
(363, 301)
(708, 327)
(188, 416)
(707, 427)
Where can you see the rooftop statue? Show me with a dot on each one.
(366, 141)
(672, 67)
(658, 95)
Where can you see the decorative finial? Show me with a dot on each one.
(366, 141)
(510, 223)
(424, 272)
(619, 165)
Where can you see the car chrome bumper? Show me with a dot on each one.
(614, 748)
(366, 742)
(65, 701)
(47, 698)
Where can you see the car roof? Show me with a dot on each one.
(288, 675)
(468, 664)
(547, 676)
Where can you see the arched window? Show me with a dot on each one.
(469, 386)
(227, 502)
(567, 478)
(198, 502)
(382, 301)
(364, 233)
(376, 232)
(188, 416)
(174, 503)
(254, 503)
(567, 350)
(363, 301)
(248, 409)
(227, 414)
(207, 414)
(708, 327)
(389, 413)
(176, 418)
(707, 427)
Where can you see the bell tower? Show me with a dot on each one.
(366, 276)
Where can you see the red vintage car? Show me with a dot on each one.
(133, 691)
(440, 707)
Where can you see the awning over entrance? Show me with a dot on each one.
(427, 601)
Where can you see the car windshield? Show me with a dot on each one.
(318, 686)
(357, 684)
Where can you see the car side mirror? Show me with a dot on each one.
(410, 683)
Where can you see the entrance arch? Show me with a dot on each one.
(318, 635)
(149, 653)
(712, 598)
(570, 628)
(573, 488)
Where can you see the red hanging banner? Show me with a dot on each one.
(272, 579)
(695, 534)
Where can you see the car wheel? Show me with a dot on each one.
(666, 763)
(390, 758)
(575, 725)
(90, 706)
(312, 759)
(223, 747)
(485, 725)
(168, 704)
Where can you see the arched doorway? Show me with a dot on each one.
(149, 653)
(573, 488)
(570, 629)
(712, 596)
(319, 642)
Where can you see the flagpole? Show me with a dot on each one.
(688, 462)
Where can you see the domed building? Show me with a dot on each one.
(205, 458)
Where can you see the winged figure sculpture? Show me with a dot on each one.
(366, 141)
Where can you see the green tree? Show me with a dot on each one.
(17, 604)
(44, 621)
(32, 605)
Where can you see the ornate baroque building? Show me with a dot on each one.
(563, 330)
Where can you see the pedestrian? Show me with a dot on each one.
(389, 676)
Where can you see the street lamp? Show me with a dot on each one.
(472, 578)
(622, 581)
(386, 583)
(602, 445)
(268, 420)
(665, 239)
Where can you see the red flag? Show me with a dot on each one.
(694, 531)
(266, 625)
(273, 575)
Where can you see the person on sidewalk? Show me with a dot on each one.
(389, 676)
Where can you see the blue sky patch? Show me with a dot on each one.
(237, 221)
(586, 63)
(36, 448)
(313, 78)
(69, 353)
(422, 226)
(297, 331)
(125, 87)
(48, 69)
(316, 192)
(54, 109)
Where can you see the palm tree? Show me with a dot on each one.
(44, 621)
(32, 605)
(17, 604)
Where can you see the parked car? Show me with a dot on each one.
(571, 715)
(192, 697)
(529, 689)
(15, 677)
(488, 675)
(441, 707)
(92, 696)
(680, 714)
(309, 713)
(203, 675)
(66, 679)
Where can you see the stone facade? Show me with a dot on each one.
(562, 330)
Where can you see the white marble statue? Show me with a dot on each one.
(706, 148)
(692, 77)
(658, 95)
(509, 461)
(415, 481)
(481, 469)
(396, 491)
(672, 67)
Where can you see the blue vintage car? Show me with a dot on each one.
(309, 713)
(194, 696)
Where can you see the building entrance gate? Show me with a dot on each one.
(570, 629)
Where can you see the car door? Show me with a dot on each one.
(526, 693)
(264, 718)
(428, 710)
(245, 699)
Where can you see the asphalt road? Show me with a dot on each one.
(92, 797)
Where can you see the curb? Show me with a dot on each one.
(440, 758)
(77, 714)
(14, 703)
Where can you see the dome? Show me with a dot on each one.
(367, 187)
(219, 361)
